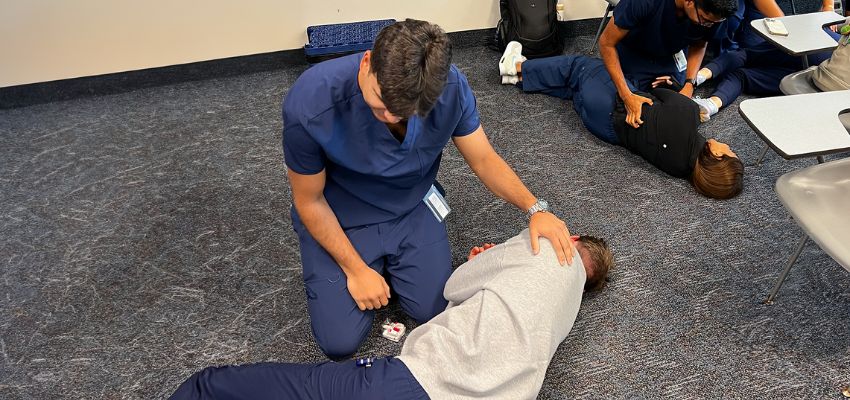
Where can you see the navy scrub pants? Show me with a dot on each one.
(387, 378)
(757, 70)
(412, 249)
(582, 79)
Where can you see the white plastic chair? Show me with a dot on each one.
(818, 197)
(801, 82)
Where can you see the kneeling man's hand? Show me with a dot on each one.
(551, 227)
(634, 104)
(368, 289)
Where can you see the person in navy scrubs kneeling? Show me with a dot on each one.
(363, 136)
(648, 39)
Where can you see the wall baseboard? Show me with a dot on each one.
(68, 89)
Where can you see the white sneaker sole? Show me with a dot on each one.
(509, 80)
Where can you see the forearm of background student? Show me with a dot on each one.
(770, 9)
(321, 222)
(828, 5)
(493, 171)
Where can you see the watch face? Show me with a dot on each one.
(543, 204)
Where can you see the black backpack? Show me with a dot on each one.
(533, 23)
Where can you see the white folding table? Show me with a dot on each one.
(805, 33)
(803, 125)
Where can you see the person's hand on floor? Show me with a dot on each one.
(634, 103)
(368, 289)
(551, 227)
(478, 250)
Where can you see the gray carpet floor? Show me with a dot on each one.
(146, 235)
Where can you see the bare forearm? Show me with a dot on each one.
(696, 53)
(612, 64)
(322, 224)
(500, 179)
(769, 8)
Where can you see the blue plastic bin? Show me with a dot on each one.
(335, 40)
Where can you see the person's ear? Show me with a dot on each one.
(365, 62)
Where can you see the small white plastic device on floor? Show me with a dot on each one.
(775, 27)
(393, 330)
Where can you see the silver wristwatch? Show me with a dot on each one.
(540, 206)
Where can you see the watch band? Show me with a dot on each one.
(540, 206)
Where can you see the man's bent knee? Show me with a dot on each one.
(342, 343)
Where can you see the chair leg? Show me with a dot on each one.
(784, 274)
(601, 26)
(761, 156)
(793, 8)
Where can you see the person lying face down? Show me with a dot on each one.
(508, 312)
(666, 137)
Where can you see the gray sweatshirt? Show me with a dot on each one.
(508, 312)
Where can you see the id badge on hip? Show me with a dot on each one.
(437, 204)
(681, 61)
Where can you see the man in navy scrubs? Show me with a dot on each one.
(647, 39)
(363, 136)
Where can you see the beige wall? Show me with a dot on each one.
(45, 40)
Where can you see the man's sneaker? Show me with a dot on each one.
(707, 108)
(512, 55)
(509, 80)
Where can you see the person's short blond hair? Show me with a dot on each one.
(601, 260)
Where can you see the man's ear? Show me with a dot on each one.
(366, 61)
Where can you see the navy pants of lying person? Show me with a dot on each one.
(385, 378)
(582, 79)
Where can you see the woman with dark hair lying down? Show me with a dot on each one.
(667, 137)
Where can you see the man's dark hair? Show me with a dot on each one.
(411, 60)
(718, 8)
(602, 260)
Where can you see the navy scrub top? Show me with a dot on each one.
(656, 33)
(371, 177)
